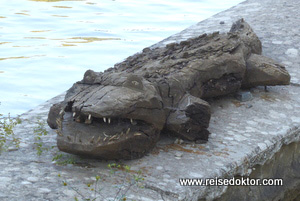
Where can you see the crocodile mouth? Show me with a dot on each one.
(102, 136)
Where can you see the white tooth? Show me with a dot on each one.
(98, 140)
(109, 120)
(128, 130)
(89, 116)
(133, 122)
(104, 119)
(122, 133)
(74, 113)
(69, 138)
(104, 139)
(92, 140)
(105, 134)
(113, 137)
(61, 112)
(137, 134)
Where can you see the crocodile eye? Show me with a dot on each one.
(134, 82)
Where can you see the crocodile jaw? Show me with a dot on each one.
(113, 139)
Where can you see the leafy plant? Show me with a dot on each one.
(7, 135)
(130, 178)
(91, 187)
(39, 131)
(62, 159)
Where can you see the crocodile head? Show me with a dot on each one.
(121, 119)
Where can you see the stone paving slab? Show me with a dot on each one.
(243, 134)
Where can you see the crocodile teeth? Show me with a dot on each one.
(109, 120)
(128, 130)
(105, 134)
(113, 137)
(98, 140)
(104, 119)
(137, 134)
(74, 113)
(92, 140)
(69, 138)
(104, 139)
(122, 133)
(89, 118)
(131, 121)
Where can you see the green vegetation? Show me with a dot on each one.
(124, 176)
(93, 187)
(126, 180)
(39, 131)
(7, 135)
(63, 159)
(130, 179)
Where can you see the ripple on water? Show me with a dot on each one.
(40, 31)
(21, 57)
(2, 43)
(22, 14)
(59, 15)
(61, 7)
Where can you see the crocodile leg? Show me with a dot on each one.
(191, 120)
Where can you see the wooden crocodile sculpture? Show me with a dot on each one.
(120, 113)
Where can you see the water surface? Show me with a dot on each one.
(47, 45)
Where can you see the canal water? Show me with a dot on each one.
(47, 45)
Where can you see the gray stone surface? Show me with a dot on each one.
(242, 137)
(284, 164)
(243, 96)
